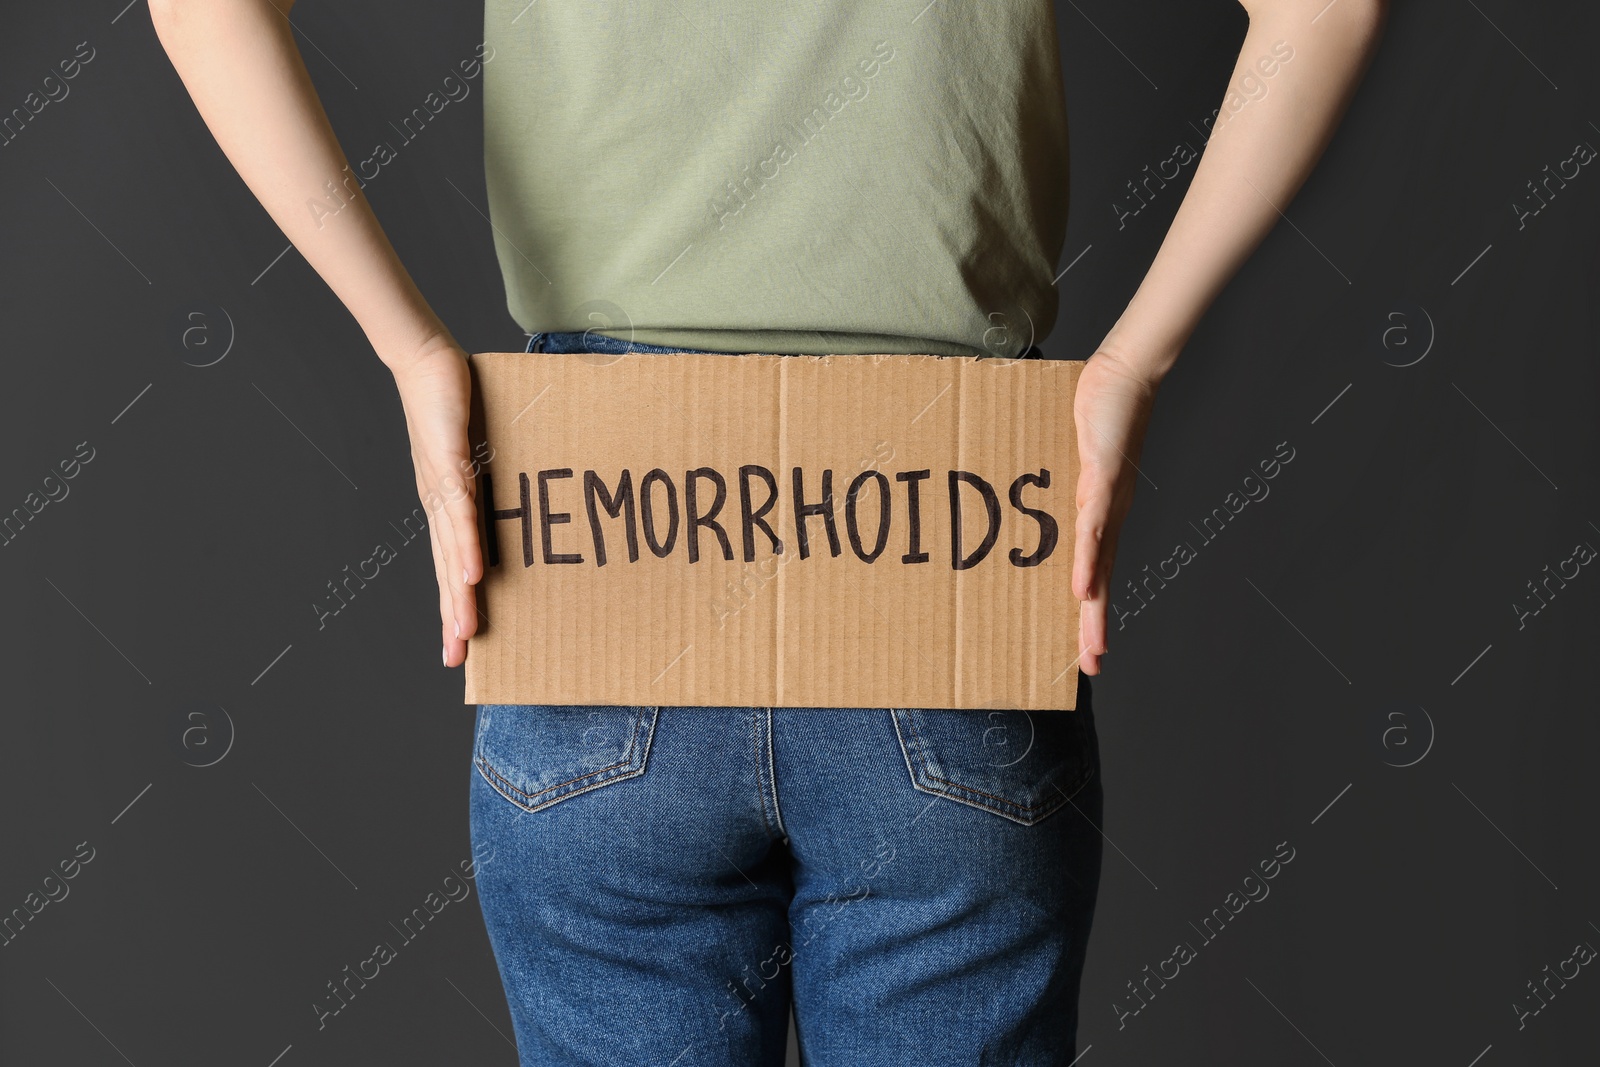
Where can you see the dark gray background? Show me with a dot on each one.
(1247, 705)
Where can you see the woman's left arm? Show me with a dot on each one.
(1266, 139)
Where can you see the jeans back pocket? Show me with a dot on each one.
(536, 755)
(1021, 765)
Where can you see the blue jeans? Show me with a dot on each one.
(660, 883)
(597, 342)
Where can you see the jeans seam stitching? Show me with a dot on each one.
(627, 758)
(1027, 809)
(530, 805)
(761, 790)
(496, 777)
(772, 777)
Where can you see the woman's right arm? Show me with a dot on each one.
(240, 64)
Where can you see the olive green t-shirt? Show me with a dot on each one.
(845, 176)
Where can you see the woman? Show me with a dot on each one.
(840, 177)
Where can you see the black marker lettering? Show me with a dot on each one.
(594, 491)
(1049, 530)
(752, 519)
(491, 547)
(914, 553)
(991, 504)
(883, 514)
(547, 518)
(696, 520)
(823, 507)
(525, 513)
(647, 514)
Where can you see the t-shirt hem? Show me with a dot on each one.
(792, 342)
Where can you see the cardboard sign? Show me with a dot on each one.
(776, 531)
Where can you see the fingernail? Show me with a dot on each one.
(444, 654)
(464, 581)
(458, 629)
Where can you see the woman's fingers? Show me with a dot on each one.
(457, 560)
(435, 391)
(447, 614)
(1110, 410)
(1089, 534)
(1094, 534)
(465, 555)
(1088, 572)
(1091, 635)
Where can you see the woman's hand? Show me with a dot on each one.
(436, 391)
(1263, 146)
(240, 63)
(1111, 409)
